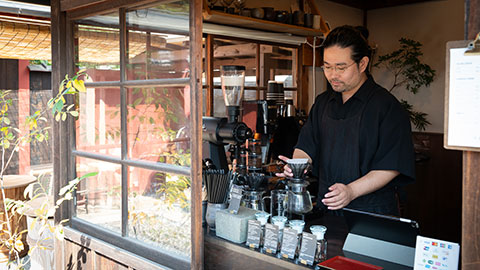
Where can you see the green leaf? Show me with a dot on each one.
(74, 113)
(88, 175)
(58, 105)
(136, 102)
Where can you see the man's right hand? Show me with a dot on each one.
(287, 172)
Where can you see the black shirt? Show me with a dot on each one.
(385, 139)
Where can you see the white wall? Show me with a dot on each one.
(336, 15)
(432, 24)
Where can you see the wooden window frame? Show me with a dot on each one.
(209, 67)
(63, 15)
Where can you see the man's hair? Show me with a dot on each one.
(348, 36)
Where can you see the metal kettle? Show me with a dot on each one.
(289, 109)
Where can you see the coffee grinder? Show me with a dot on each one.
(221, 131)
(299, 200)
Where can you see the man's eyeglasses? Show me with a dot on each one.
(339, 69)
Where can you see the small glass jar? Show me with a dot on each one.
(298, 225)
(280, 222)
(263, 218)
(321, 250)
(255, 146)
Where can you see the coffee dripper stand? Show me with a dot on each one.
(299, 199)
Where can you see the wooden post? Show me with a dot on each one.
(62, 136)
(196, 104)
(209, 75)
(471, 172)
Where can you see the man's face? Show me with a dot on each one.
(341, 71)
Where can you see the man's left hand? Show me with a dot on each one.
(340, 195)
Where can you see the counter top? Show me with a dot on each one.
(223, 254)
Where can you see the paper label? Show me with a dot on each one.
(289, 243)
(235, 199)
(254, 233)
(271, 238)
(308, 248)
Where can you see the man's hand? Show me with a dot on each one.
(287, 172)
(340, 195)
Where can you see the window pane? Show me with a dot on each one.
(159, 210)
(233, 52)
(158, 44)
(278, 65)
(157, 124)
(99, 47)
(99, 197)
(98, 125)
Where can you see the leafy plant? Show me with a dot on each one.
(12, 139)
(409, 71)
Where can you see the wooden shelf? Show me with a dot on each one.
(219, 17)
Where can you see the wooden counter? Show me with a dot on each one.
(222, 254)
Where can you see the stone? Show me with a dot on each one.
(234, 227)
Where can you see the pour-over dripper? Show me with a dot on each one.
(257, 181)
(298, 166)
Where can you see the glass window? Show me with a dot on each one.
(137, 137)
(159, 210)
(98, 49)
(157, 124)
(158, 50)
(270, 62)
(233, 52)
(98, 125)
(98, 198)
(279, 65)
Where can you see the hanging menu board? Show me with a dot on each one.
(462, 98)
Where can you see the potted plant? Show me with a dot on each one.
(409, 71)
(12, 140)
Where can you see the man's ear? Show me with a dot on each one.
(364, 63)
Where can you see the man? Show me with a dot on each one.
(357, 135)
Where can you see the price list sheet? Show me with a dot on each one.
(463, 101)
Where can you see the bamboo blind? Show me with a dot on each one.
(24, 41)
(32, 42)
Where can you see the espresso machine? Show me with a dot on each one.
(219, 132)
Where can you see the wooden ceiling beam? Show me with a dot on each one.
(247, 49)
(66, 5)
(98, 7)
(375, 4)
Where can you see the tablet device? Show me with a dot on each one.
(391, 229)
(380, 240)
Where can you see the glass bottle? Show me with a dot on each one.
(280, 222)
(321, 251)
(297, 225)
(263, 218)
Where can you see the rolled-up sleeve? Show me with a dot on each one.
(395, 148)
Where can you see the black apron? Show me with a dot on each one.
(339, 162)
